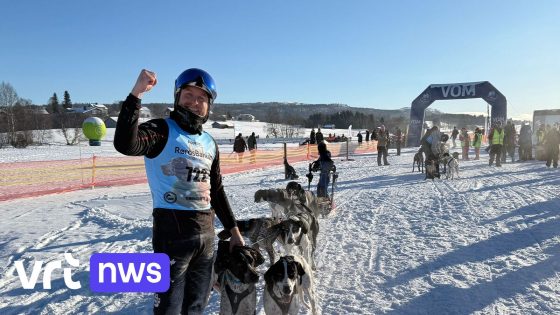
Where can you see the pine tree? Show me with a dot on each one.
(67, 104)
(54, 105)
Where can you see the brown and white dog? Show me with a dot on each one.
(298, 235)
(287, 282)
(236, 276)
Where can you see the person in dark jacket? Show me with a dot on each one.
(359, 137)
(431, 147)
(525, 143)
(551, 143)
(367, 135)
(399, 139)
(325, 165)
(454, 135)
(510, 136)
(319, 136)
(183, 216)
(239, 147)
(252, 145)
(312, 138)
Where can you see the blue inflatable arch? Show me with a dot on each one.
(454, 91)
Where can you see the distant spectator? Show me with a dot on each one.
(465, 142)
(382, 141)
(496, 138)
(509, 141)
(239, 147)
(374, 132)
(359, 137)
(398, 136)
(551, 142)
(319, 136)
(252, 145)
(454, 135)
(252, 142)
(477, 142)
(312, 139)
(525, 143)
(367, 135)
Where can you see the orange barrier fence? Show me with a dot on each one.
(29, 179)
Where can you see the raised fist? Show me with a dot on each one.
(145, 82)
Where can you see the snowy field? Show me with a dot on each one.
(487, 243)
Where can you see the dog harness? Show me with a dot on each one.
(179, 177)
(236, 298)
(284, 307)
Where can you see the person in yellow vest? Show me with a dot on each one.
(477, 142)
(497, 142)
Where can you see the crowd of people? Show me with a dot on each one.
(503, 141)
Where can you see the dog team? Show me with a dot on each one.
(433, 153)
(293, 228)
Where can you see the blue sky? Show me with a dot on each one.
(379, 54)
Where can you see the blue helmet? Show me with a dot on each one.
(196, 77)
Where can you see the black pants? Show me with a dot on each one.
(496, 152)
(187, 237)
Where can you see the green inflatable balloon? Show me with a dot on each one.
(94, 128)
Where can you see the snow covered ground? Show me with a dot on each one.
(487, 243)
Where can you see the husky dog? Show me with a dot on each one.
(286, 283)
(296, 234)
(236, 277)
(452, 166)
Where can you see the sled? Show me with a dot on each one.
(327, 204)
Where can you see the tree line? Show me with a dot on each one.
(22, 123)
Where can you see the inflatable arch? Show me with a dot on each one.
(454, 91)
